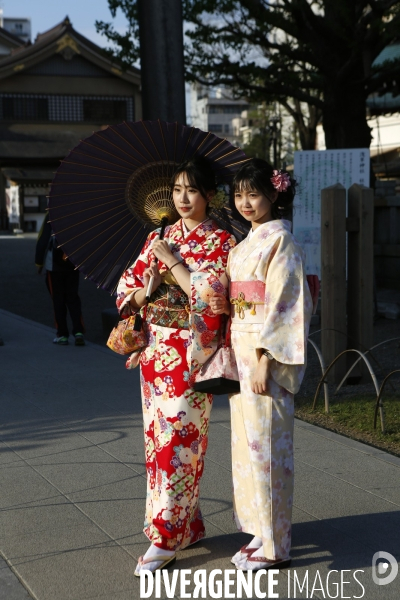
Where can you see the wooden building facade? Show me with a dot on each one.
(53, 93)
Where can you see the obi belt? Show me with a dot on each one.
(247, 300)
(170, 308)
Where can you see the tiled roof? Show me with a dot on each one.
(10, 37)
(386, 103)
(25, 176)
(33, 142)
(48, 42)
(391, 52)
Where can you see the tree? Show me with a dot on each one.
(125, 46)
(312, 56)
(258, 139)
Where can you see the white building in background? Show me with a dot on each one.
(214, 111)
(20, 27)
(263, 120)
(243, 127)
(385, 134)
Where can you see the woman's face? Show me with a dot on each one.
(254, 206)
(188, 201)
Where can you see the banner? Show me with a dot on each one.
(313, 171)
(12, 200)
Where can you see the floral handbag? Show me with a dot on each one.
(128, 335)
(219, 375)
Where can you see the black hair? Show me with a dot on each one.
(256, 174)
(200, 175)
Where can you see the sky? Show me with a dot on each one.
(44, 14)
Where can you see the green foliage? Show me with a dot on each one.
(353, 415)
(260, 144)
(125, 47)
(301, 53)
(259, 147)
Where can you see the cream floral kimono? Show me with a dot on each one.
(271, 309)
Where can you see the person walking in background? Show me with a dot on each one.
(62, 280)
(271, 311)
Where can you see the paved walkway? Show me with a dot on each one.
(72, 485)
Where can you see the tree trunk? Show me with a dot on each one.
(306, 124)
(344, 117)
(308, 137)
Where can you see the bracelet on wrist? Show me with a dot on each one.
(174, 265)
(132, 298)
(267, 353)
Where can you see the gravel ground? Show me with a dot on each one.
(23, 292)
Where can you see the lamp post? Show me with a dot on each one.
(274, 137)
(161, 50)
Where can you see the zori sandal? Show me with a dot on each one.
(242, 553)
(256, 563)
(166, 561)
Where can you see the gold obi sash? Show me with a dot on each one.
(170, 308)
(247, 300)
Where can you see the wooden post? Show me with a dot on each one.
(360, 292)
(333, 278)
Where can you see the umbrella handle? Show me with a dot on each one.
(164, 223)
(150, 288)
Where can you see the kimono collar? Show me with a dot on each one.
(186, 232)
(257, 238)
(266, 229)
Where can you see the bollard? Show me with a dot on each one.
(360, 288)
(333, 278)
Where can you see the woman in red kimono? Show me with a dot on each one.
(182, 335)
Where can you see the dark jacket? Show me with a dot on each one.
(46, 242)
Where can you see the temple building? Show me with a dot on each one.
(53, 93)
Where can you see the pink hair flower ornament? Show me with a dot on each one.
(280, 181)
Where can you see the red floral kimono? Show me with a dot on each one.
(182, 335)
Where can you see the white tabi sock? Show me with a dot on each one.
(156, 551)
(256, 542)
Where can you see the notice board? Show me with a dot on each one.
(313, 171)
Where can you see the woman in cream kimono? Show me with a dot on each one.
(271, 309)
(182, 334)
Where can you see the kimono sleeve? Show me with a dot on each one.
(132, 279)
(287, 304)
(209, 278)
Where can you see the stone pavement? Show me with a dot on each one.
(72, 485)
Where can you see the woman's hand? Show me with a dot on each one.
(152, 271)
(259, 380)
(163, 252)
(138, 298)
(219, 304)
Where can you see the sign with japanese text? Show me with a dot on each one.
(315, 170)
(31, 201)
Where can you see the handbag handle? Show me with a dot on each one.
(225, 331)
(135, 312)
